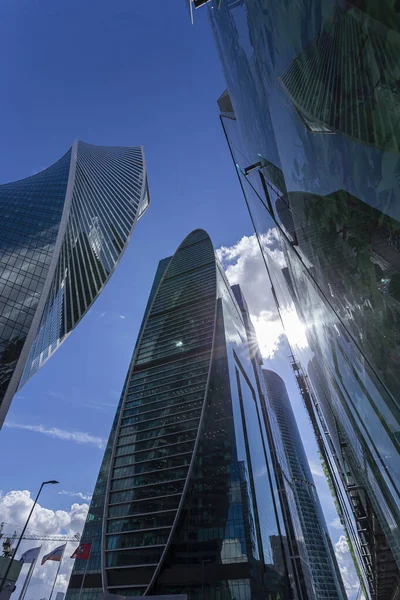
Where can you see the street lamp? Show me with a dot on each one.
(53, 481)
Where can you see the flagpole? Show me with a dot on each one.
(28, 577)
(26, 582)
(84, 574)
(58, 570)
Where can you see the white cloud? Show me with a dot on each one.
(244, 265)
(336, 523)
(14, 510)
(59, 395)
(316, 468)
(77, 494)
(268, 330)
(347, 569)
(79, 437)
(122, 317)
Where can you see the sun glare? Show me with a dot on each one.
(269, 332)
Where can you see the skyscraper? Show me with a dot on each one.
(309, 117)
(317, 543)
(186, 499)
(62, 233)
(314, 570)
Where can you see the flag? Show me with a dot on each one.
(82, 551)
(30, 555)
(55, 554)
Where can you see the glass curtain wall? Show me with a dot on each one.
(63, 233)
(309, 119)
(188, 504)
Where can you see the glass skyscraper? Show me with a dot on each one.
(310, 119)
(62, 233)
(186, 500)
(318, 549)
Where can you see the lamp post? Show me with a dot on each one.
(53, 481)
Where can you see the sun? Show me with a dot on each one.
(269, 331)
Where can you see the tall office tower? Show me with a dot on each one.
(314, 569)
(62, 233)
(309, 116)
(317, 543)
(186, 500)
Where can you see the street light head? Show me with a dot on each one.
(51, 481)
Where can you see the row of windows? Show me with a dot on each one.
(197, 296)
(194, 391)
(154, 465)
(182, 374)
(145, 375)
(129, 591)
(175, 347)
(182, 417)
(160, 445)
(182, 287)
(160, 391)
(34, 267)
(233, 589)
(161, 431)
(83, 594)
(153, 491)
(139, 406)
(163, 411)
(196, 291)
(178, 293)
(195, 239)
(158, 452)
(194, 312)
(142, 556)
(24, 284)
(149, 521)
(198, 366)
(26, 255)
(145, 506)
(186, 317)
(142, 538)
(152, 478)
(181, 336)
(189, 260)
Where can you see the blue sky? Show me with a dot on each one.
(113, 73)
(123, 73)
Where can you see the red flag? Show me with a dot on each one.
(82, 551)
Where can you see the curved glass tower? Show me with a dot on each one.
(185, 501)
(63, 232)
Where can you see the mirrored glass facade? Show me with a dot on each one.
(186, 500)
(63, 231)
(310, 119)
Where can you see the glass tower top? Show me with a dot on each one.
(63, 232)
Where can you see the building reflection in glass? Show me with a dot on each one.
(318, 550)
(311, 119)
